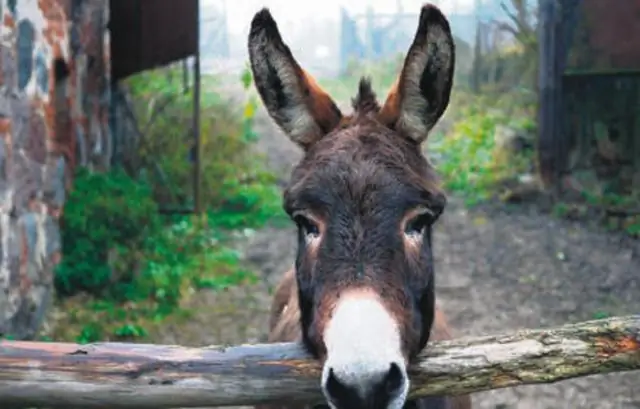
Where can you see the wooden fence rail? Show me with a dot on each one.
(117, 375)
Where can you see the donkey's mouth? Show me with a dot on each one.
(365, 366)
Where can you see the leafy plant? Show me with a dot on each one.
(468, 157)
(105, 212)
(125, 267)
(235, 176)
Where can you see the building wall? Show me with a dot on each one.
(601, 90)
(54, 96)
(606, 39)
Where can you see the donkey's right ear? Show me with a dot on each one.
(421, 93)
(292, 97)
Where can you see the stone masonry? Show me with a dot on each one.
(54, 101)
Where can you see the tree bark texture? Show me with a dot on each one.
(118, 375)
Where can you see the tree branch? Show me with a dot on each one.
(522, 28)
(116, 375)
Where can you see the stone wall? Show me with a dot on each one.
(54, 100)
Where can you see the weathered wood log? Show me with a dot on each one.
(117, 375)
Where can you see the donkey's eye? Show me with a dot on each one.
(307, 226)
(418, 225)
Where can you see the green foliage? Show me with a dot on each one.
(473, 165)
(617, 212)
(464, 157)
(105, 211)
(237, 188)
(235, 178)
(468, 158)
(125, 266)
(117, 248)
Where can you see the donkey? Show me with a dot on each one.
(361, 294)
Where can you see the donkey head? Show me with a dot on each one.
(364, 199)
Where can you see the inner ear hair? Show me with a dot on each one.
(421, 93)
(292, 97)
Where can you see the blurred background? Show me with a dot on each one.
(153, 212)
(327, 35)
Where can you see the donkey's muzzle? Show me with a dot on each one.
(375, 389)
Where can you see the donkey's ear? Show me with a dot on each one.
(292, 97)
(421, 93)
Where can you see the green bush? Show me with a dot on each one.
(104, 212)
(128, 265)
(467, 156)
(234, 177)
(117, 246)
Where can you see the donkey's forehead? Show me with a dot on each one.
(365, 164)
(361, 138)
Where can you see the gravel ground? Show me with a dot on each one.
(498, 269)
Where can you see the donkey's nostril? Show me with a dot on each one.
(394, 380)
(336, 390)
(349, 389)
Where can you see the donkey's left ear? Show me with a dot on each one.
(421, 93)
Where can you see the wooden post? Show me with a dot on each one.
(548, 82)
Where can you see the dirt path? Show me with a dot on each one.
(497, 269)
(501, 270)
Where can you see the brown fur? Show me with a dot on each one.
(364, 197)
(284, 326)
(326, 113)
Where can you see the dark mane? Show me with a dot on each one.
(365, 101)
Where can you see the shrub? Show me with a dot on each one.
(129, 265)
(104, 212)
(234, 177)
(467, 156)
